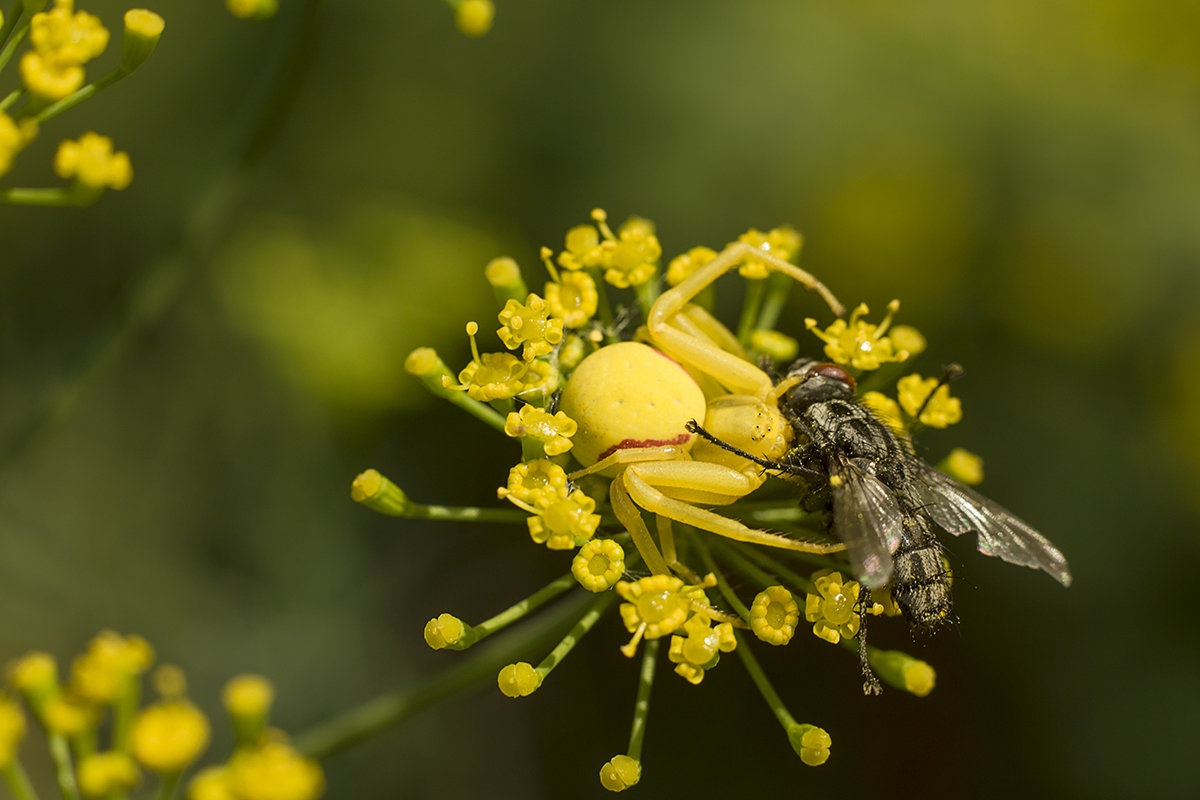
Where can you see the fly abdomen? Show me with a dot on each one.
(921, 577)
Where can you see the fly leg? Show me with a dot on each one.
(871, 684)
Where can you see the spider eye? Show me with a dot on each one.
(833, 371)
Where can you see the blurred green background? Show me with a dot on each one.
(1024, 175)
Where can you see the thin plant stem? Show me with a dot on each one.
(577, 632)
(519, 610)
(18, 781)
(79, 95)
(722, 584)
(166, 785)
(755, 290)
(391, 709)
(466, 514)
(764, 685)
(641, 706)
(64, 772)
(18, 36)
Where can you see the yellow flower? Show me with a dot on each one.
(13, 137)
(658, 605)
(167, 737)
(810, 743)
(35, 675)
(252, 9)
(963, 465)
(773, 615)
(274, 771)
(701, 648)
(559, 522)
(782, 242)
(682, 266)
(474, 17)
(832, 608)
(554, 431)
(102, 674)
(248, 696)
(92, 162)
(573, 298)
(519, 680)
(211, 783)
(583, 248)
(49, 79)
(534, 482)
(447, 630)
(631, 258)
(886, 409)
(940, 411)
(529, 324)
(67, 715)
(620, 773)
(857, 343)
(143, 29)
(598, 565)
(66, 37)
(104, 774)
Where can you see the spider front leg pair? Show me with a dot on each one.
(663, 481)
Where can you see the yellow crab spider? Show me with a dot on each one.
(632, 402)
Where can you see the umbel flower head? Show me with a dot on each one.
(104, 742)
(661, 459)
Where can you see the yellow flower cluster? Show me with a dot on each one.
(627, 258)
(63, 41)
(164, 738)
(92, 162)
(858, 343)
(13, 137)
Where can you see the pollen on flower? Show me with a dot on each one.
(519, 680)
(447, 630)
(530, 326)
(573, 298)
(773, 615)
(533, 482)
(700, 649)
(104, 774)
(166, 737)
(619, 773)
(783, 242)
(273, 771)
(680, 267)
(858, 343)
(559, 522)
(598, 565)
(940, 411)
(831, 608)
(92, 162)
(12, 729)
(963, 465)
(810, 742)
(554, 431)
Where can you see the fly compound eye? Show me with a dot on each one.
(833, 371)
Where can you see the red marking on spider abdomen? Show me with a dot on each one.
(636, 444)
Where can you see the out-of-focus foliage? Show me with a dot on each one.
(1026, 175)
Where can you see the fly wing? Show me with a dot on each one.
(866, 518)
(958, 509)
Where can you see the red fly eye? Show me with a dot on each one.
(833, 371)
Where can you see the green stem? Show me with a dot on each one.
(722, 585)
(778, 288)
(577, 632)
(764, 685)
(10, 47)
(779, 568)
(603, 308)
(755, 290)
(647, 293)
(13, 96)
(64, 772)
(79, 95)
(393, 708)
(18, 781)
(11, 20)
(467, 514)
(745, 566)
(123, 714)
(519, 610)
(74, 195)
(166, 785)
(641, 706)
